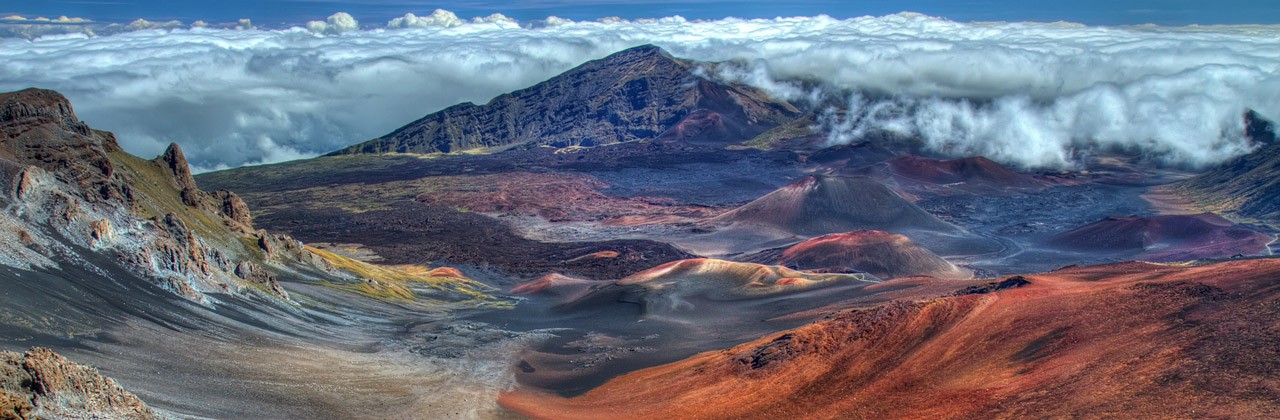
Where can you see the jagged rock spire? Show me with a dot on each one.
(176, 161)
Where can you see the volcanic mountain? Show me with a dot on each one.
(882, 254)
(822, 204)
(1165, 238)
(564, 288)
(727, 280)
(1141, 339)
(642, 93)
(1248, 186)
(974, 171)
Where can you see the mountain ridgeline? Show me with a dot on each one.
(1248, 186)
(642, 93)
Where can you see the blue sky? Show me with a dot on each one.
(287, 12)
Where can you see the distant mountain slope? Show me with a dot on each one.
(641, 93)
(1248, 186)
(976, 170)
(1165, 238)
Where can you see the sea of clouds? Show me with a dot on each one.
(1036, 95)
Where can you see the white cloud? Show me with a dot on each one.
(439, 18)
(44, 20)
(335, 24)
(1035, 94)
(557, 21)
(64, 19)
(143, 24)
(494, 18)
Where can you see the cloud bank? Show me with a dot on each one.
(1030, 94)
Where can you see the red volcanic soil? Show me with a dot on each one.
(555, 197)
(975, 171)
(1125, 340)
(446, 272)
(820, 204)
(701, 124)
(885, 255)
(727, 280)
(601, 255)
(556, 284)
(1166, 238)
(728, 115)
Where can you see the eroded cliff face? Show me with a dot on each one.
(641, 93)
(69, 189)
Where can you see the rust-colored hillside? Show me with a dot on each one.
(1139, 339)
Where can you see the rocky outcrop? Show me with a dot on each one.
(175, 162)
(255, 274)
(641, 93)
(222, 202)
(70, 185)
(39, 128)
(25, 109)
(101, 230)
(234, 208)
(43, 384)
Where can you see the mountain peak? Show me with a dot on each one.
(646, 50)
(641, 93)
(176, 162)
(1258, 128)
(647, 54)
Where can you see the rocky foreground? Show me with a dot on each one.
(43, 384)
